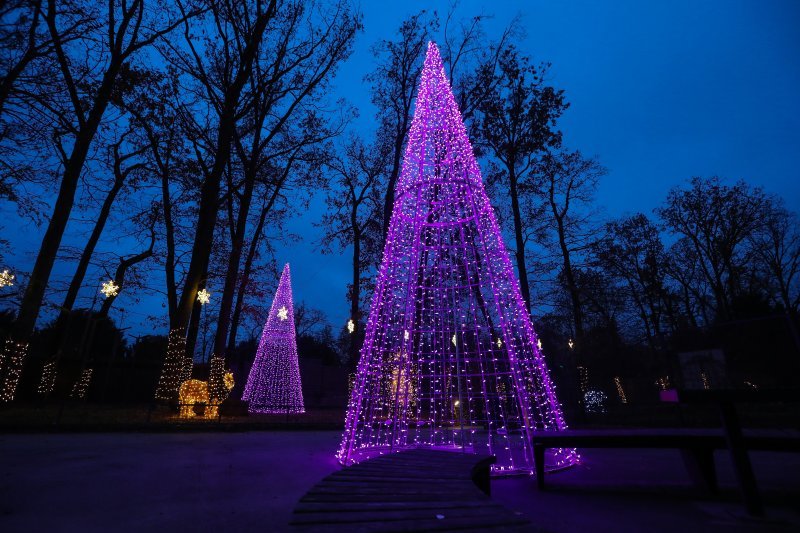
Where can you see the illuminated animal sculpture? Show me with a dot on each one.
(194, 391)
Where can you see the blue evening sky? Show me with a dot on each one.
(659, 91)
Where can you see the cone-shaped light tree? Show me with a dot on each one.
(450, 358)
(274, 385)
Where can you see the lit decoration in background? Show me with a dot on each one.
(109, 289)
(82, 385)
(6, 279)
(192, 392)
(203, 296)
(220, 382)
(173, 369)
(583, 378)
(186, 369)
(499, 343)
(571, 344)
(11, 359)
(620, 390)
(706, 381)
(48, 380)
(274, 385)
(351, 326)
(663, 383)
(751, 385)
(446, 269)
(594, 401)
(539, 343)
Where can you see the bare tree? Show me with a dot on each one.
(567, 181)
(518, 124)
(93, 49)
(354, 217)
(717, 222)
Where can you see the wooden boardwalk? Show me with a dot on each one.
(415, 490)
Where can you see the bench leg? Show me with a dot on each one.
(740, 459)
(538, 459)
(699, 463)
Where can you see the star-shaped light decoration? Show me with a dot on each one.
(6, 279)
(499, 343)
(453, 340)
(109, 288)
(283, 313)
(406, 335)
(571, 344)
(203, 296)
(351, 326)
(539, 343)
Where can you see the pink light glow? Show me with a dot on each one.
(450, 358)
(274, 385)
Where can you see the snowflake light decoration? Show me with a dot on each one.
(351, 326)
(283, 313)
(6, 279)
(203, 296)
(109, 288)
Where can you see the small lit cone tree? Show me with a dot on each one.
(450, 358)
(274, 385)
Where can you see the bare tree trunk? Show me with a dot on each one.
(209, 193)
(519, 239)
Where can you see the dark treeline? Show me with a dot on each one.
(163, 146)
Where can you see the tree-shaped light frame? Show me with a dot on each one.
(274, 384)
(450, 358)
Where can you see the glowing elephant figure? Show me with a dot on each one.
(194, 391)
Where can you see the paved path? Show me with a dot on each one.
(251, 481)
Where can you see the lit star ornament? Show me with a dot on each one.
(283, 314)
(351, 326)
(203, 296)
(6, 279)
(110, 288)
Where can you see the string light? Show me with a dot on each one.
(6, 279)
(445, 269)
(583, 376)
(706, 381)
(82, 385)
(274, 385)
(663, 382)
(620, 390)
(351, 326)
(11, 367)
(203, 296)
(594, 401)
(173, 372)
(48, 381)
(109, 289)
(192, 392)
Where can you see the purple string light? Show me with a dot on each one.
(274, 385)
(450, 358)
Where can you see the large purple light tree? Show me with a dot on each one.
(274, 385)
(450, 358)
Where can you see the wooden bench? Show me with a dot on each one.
(696, 446)
(415, 490)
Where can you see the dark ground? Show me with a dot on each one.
(251, 480)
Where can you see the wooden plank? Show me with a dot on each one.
(416, 490)
(374, 515)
